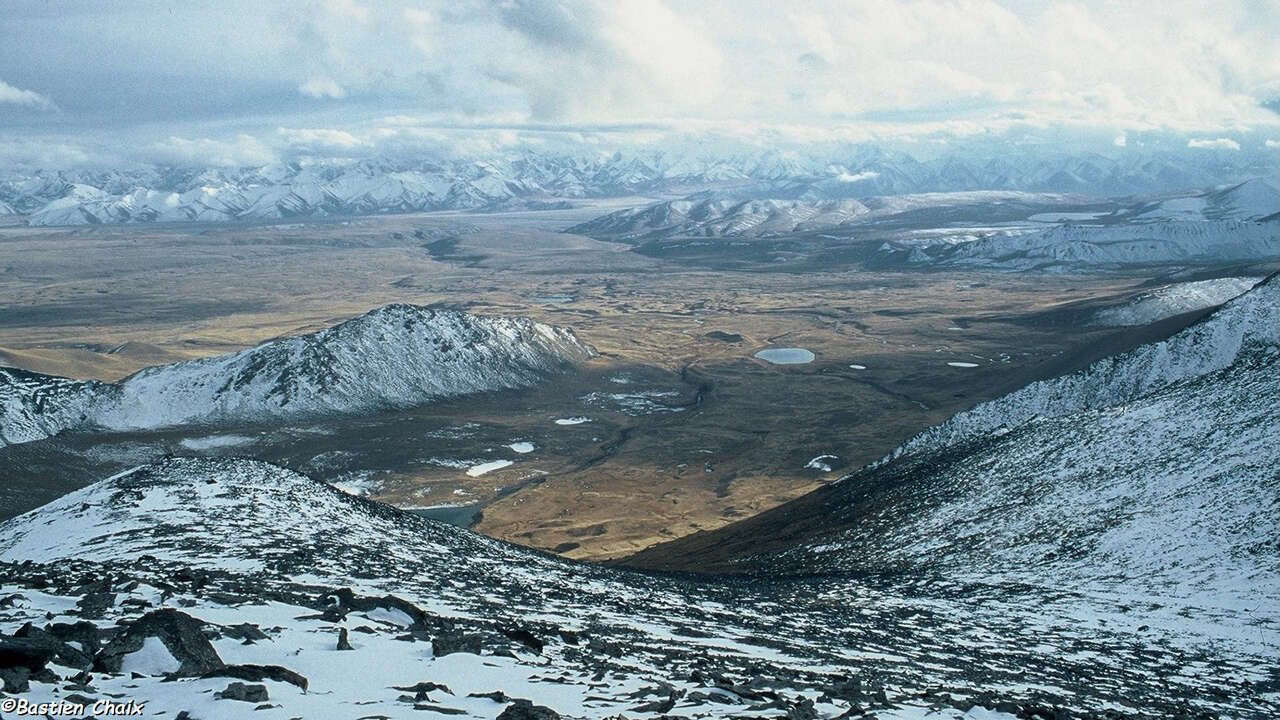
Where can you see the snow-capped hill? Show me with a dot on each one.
(1254, 199)
(394, 357)
(1247, 325)
(715, 217)
(179, 509)
(1170, 300)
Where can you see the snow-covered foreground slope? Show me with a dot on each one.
(1170, 300)
(393, 357)
(280, 574)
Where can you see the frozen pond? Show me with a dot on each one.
(786, 356)
(482, 468)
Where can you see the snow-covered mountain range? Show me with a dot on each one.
(393, 357)
(321, 189)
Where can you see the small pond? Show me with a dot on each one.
(460, 515)
(786, 356)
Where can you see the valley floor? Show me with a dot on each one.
(687, 430)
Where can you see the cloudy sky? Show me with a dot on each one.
(241, 82)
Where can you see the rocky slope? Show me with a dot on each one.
(393, 357)
(215, 587)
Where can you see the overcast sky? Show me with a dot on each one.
(237, 82)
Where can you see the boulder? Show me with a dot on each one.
(455, 642)
(244, 693)
(525, 710)
(181, 634)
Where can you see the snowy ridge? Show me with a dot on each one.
(35, 406)
(393, 357)
(1173, 300)
(1068, 247)
(1247, 324)
(721, 218)
(1255, 199)
(782, 208)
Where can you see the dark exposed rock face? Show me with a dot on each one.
(27, 652)
(258, 673)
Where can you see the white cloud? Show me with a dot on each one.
(18, 96)
(241, 151)
(322, 87)
(819, 69)
(1120, 141)
(1272, 143)
(326, 142)
(846, 177)
(1216, 144)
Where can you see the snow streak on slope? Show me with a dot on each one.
(1173, 300)
(393, 357)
